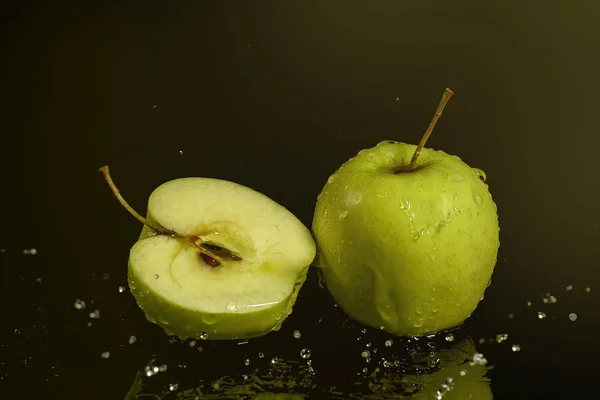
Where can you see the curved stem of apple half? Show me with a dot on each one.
(448, 93)
(205, 253)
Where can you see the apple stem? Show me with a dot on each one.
(448, 93)
(158, 229)
(206, 255)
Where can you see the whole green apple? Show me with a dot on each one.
(407, 237)
(216, 259)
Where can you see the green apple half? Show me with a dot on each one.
(407, 250)
(218, 260)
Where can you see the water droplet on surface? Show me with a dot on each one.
(274, 360)
(541, 315)
(261, 355)
(79, 304)
(180, 152)
(477, 198)
(516, 347)
(478, 359)
(343, 214)
(573, 317)
(232, 307)
(449, 337)
(106, 354)
(365, 354)
(173, 387)
(569, 287)
(501, 337)
(297, 334)
(192, 343)
(510, 316)
(247, 362)
(588, 289)
(95, 314)
(419, 311)
(121, 289)
(305, 353)
(528, 304)
(389, 343)
(419, 323)
(200, 349)
(132, 339)
(363, 331)
(156, 276)
(204, 336)
(463, 372)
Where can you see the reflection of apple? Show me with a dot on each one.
(217, 260)
(407, 237)
(278, 396)
(458, 377)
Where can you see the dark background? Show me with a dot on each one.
(275, 95)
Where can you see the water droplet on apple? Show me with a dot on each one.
(434, 310)
(232, 307)
(331, 179)
(449, 337)
(156, 276)
(456, 177)
(419, 311)
(477, 198)
(419, 323)
(455, 196)
(203, 336)
(480, 174)
(433, 254)
(343, 214)
(210, 319)
(353, 198)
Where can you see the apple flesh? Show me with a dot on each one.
(408, 252)
(263, 252)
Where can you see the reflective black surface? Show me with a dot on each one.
(275, 96)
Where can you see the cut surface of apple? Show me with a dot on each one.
(263, 253)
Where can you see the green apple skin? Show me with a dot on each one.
(192, 300)
(410, 253)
